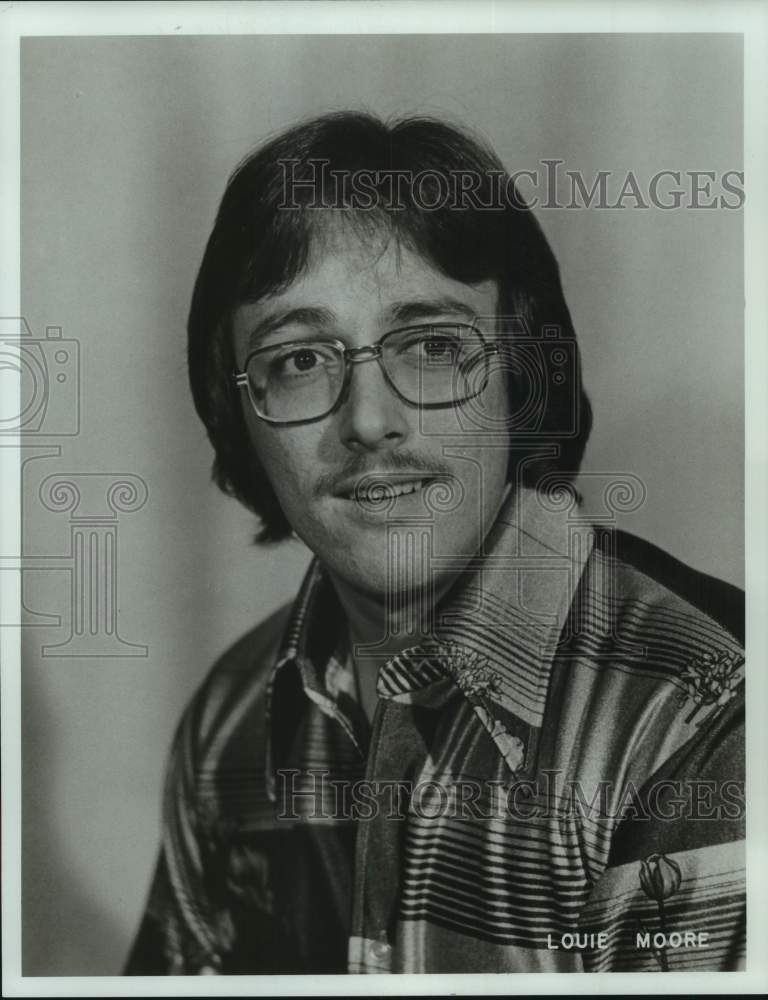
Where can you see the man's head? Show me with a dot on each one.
(347, 231)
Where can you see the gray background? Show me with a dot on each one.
(126, 146)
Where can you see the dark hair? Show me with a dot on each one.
(261, 241)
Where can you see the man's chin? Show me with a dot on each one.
(398, 578)
(375, 553)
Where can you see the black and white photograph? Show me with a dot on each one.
(377, 435)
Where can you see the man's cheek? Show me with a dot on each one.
(434, 425)
(276, 461)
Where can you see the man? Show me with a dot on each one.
(487, 735)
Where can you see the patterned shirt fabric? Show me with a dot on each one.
(552, 781)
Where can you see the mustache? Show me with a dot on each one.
(395, 462)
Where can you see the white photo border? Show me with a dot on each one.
(204, 18)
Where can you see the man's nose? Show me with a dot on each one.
(372, 416)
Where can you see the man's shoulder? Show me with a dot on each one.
(237, 682)
(651, 572)
(260, 645)
(635, 594)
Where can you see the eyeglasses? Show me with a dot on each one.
(300, 381)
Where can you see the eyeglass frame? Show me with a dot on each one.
(354, 356)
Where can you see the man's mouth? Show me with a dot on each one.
(380, 492)
(381, 488)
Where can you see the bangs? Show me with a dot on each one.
(285, 245)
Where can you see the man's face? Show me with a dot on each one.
(450, 482)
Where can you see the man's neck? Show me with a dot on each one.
(378, 628)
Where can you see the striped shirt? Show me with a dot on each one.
(552, 780)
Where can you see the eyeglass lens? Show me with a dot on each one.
(432, 365)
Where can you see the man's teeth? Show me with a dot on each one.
(377, 494)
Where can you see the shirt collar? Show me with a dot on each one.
(496, 631)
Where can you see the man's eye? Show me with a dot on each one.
(304, 359)
(439, 349)
(297, 362)
(433, 348)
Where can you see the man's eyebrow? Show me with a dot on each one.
(412, 309)
(306, 315)
(398, 313)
